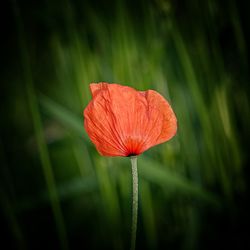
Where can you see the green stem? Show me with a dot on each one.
(135, 201)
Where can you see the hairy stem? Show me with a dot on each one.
(135, 201)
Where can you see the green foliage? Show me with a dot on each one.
(198, 173)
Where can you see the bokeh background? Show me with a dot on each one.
(56, 191)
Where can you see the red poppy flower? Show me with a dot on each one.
(121, 121)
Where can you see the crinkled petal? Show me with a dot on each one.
(100, 126)
(96, 87)
(122, 121)
(169, 123)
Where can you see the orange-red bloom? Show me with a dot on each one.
(121, 121)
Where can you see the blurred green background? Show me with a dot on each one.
(56, 191)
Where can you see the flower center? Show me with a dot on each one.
(133, 146)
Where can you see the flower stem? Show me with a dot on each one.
(135, 201)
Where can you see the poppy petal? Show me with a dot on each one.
(96, 87)
(99, 125)
(122, 121)
(157, 104)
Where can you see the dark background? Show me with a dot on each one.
(56, 192)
